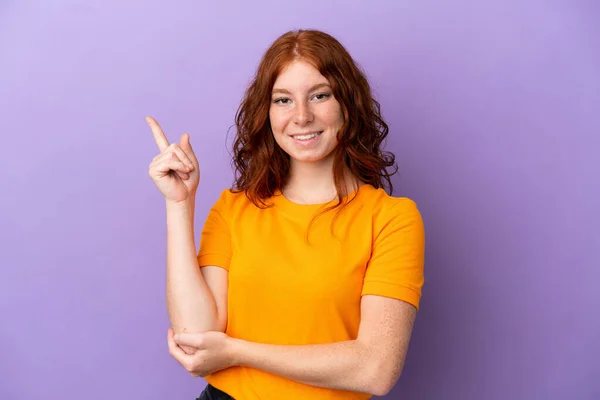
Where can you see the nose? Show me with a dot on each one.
(303, 114)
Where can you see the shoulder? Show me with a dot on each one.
(397, 225)
(232, 201)
(230, 195)
(384, 206)
(391, 216)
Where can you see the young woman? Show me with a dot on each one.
(309, 275)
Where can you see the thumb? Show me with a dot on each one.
(184, 141)
(186, 146)
(189, 339)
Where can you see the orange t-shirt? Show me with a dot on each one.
(286, 290)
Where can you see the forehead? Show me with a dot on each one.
(299, 75)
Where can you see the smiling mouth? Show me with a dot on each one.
(306, 136)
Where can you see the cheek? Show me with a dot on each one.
(333, 115)
(277, 121)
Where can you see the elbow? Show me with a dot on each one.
(382, 386)
(380, 389)
(383, 378)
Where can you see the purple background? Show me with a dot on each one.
(494, 116)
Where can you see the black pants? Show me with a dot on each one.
(212, 393)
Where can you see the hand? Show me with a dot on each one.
(175, 171)
(214, 352)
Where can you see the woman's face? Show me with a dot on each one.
(305, 117)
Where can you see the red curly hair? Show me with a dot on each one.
(262, 167)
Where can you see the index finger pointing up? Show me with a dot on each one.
(159, 136)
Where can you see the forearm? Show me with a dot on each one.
(344, 365)
(190, 303)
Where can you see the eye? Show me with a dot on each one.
(281, 100)
(321, 96)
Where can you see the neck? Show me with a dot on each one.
(313, 183)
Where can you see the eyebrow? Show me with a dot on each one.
(315, 87)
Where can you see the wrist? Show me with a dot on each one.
(186, 204)
(236, 351)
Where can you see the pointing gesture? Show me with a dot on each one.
(175, 170)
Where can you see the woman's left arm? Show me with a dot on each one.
(370, 364)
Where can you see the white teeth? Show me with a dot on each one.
(305, 137)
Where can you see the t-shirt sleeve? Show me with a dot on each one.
(396, 266)
(215, 240)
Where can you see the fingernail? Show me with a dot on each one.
(176, 337)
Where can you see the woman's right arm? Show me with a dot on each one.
(196, 299)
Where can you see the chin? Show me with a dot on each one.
(308, 159)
